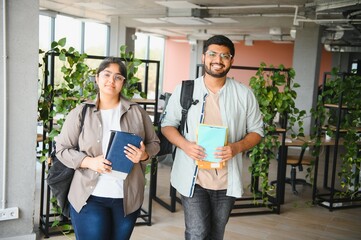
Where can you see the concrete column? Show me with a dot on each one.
(195, 57)
(341, 61)
(22, 38)
(120, 35)
(306, 63)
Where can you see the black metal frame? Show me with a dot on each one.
(327, 200)
(46, 217)
(172, 191)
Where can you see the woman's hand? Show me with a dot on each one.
(98, 164)
(136, 154)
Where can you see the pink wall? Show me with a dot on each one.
(176, 64)
(177, 55)
(325, 65)
(261, 51)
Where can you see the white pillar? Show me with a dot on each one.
(120, 35)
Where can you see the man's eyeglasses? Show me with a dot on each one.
(224, 56)
(116, 77)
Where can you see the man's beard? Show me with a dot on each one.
(215, 75)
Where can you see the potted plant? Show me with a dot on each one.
(275, 91)
(338, 115)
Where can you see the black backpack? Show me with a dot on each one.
(186, 101)
(60, 176)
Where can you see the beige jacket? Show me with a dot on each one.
(133, 119)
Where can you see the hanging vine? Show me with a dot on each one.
(274, 90)
(341, 88)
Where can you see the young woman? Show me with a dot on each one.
(104, 206)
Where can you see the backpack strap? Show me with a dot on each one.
(186, 101)
(83, 112)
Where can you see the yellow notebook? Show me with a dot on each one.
(211, 137)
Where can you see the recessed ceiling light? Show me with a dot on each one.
(95, 6)
(149, 20)
(221, 20)
(275, 31)
(186, 20)
(177, 4)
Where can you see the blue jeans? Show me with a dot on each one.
(103, 218)
(206, 213)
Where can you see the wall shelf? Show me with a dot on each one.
(331, 195)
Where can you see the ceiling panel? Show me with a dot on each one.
(239, 19)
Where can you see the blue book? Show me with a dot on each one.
(121, 165)
(211, 137)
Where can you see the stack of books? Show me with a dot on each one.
(210, 137)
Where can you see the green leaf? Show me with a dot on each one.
(62, 42)
(62, 57)
(54, 44)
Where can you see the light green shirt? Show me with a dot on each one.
(240, 113)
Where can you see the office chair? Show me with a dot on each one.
(298, 161)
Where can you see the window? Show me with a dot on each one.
(93, 44)
(44, 32)
(71, 29)
(94, 41)
(155, 52)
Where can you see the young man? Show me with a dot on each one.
(208, 195)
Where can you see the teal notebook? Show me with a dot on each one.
(211, 137)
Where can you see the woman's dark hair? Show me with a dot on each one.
(219, 40)
(110, 60)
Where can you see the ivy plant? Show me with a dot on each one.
(57, 100)
(275, 92)
(341, 88)
(132, 64)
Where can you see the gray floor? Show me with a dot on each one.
(298, 219)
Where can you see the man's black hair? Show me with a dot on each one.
(219, 40)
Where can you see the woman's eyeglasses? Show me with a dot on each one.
(116, 77)
(224, 56)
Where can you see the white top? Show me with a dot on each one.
(108, 184)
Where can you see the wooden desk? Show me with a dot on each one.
(282, 164)
(39, 138)
(152, 102)
(299, 142)
(144, 101)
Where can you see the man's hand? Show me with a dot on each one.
(227, 152)
(194, 151)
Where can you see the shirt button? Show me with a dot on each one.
(98, 141)
(100, 125)
(91, 187)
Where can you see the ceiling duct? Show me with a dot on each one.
(339, 5)
(342, 20)
(188, 16)
(187, 12)
(332, 48)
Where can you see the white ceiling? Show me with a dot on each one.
(238, 19)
